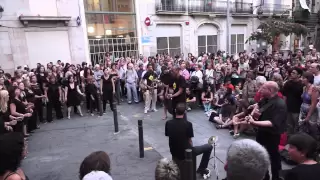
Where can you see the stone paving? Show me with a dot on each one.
(57, 149)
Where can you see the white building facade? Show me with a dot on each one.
(42, 31)
(195, 26)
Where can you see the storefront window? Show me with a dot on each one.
(109, 5)
(110, 25)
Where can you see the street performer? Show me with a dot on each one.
(178, 84)
(271, 124)
(150, 81)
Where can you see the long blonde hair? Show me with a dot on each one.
(4, 98)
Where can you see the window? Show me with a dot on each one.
(237, 43)
(207, 43)
(109, 5)
(168, 45)
(110, 25)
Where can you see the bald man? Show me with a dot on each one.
(271, 124)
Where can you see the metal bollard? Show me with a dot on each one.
(100, 104)
(115, 117)
(141, 142)
(189, 174)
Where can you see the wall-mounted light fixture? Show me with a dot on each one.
(78, 21)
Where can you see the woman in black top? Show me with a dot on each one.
(39, 96)
(31, 99)
(107, 89)
(91, 91)
(261, 69)
(72, 92)
(53, 95)
(41, 77)
(19, 110)
(302, 148)
(6, 119)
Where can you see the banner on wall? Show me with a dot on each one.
(146, 40)
(304, 5)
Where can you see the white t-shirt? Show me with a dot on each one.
(198, 74)
(316, 80)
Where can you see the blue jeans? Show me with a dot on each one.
(132, 89)
(207, 106)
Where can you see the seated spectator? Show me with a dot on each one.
(227, 111)
(167, 170)
(12, 151)
(95, 166)
(191, 99)
(302, 148)
(247, 160)
(207, 98)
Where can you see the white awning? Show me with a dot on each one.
(304, 5)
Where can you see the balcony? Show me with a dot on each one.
(170, 7)
(241, 9)
(217, 7)
(274, 10)
(200, 7)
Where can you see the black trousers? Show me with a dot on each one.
(108, 96)
(205, 150)
(94, 103)
(56, 105)
(39, 109)
(32, 121)
(271, 143)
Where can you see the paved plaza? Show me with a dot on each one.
(57, 149)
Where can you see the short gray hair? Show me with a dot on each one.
(167, 170)
(247, 160)
(260, 80)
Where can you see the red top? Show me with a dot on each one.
(229, 86)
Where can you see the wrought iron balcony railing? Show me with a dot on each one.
(170, 7)
(276, 9)
(241, 8)
(205, 6)
(219, 7)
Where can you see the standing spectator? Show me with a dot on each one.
(39, 96)
(107, 89)
(302, 149)
(315, 70)
(292, 90)
(131, 79)
(308, 117)
(97, 75)
(72, 92)
(53, 95)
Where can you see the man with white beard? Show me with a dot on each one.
(131, 79)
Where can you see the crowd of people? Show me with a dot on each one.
(269, 96)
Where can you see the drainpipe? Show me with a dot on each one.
(228, 26)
